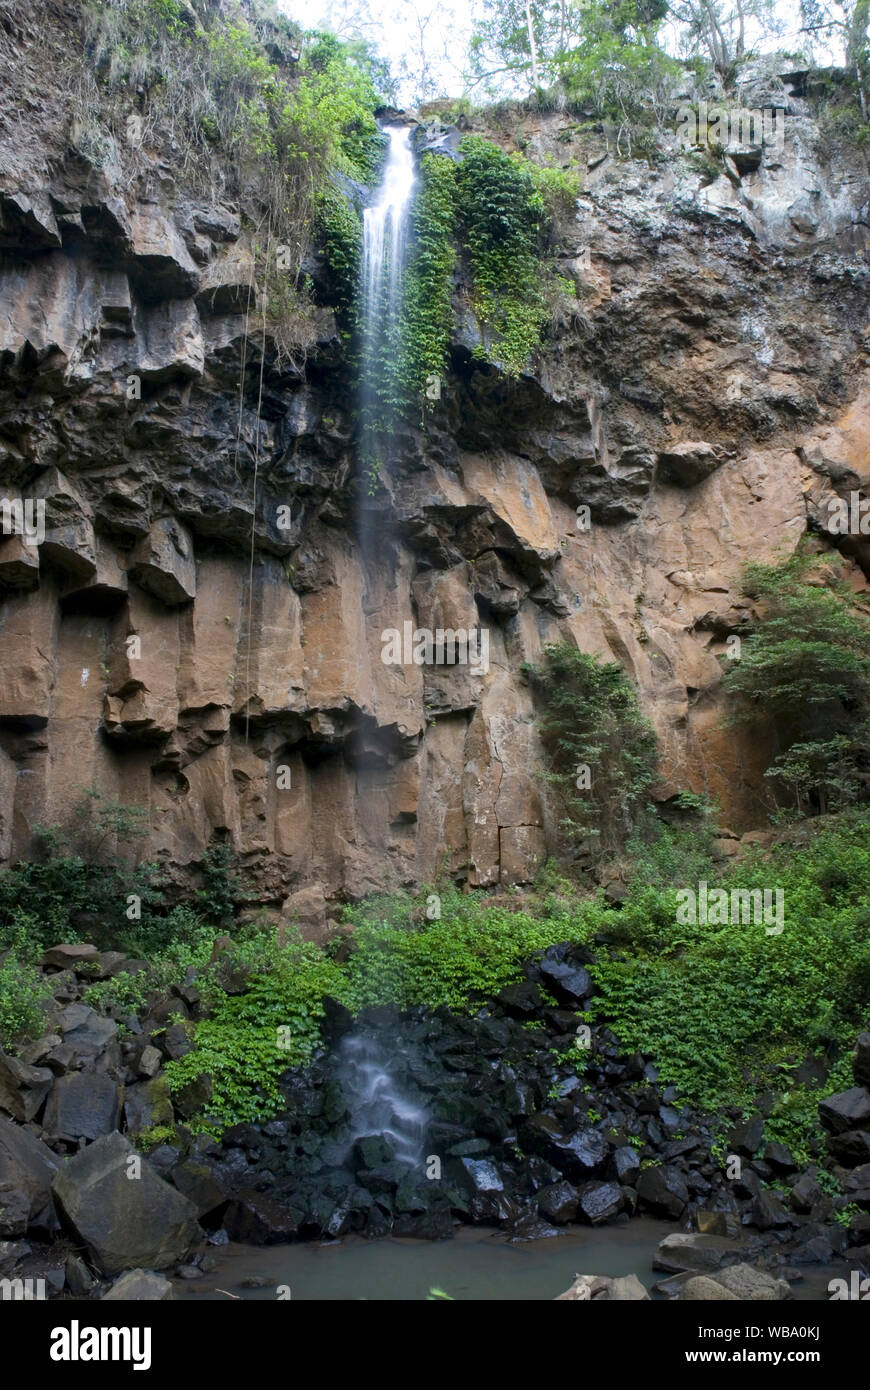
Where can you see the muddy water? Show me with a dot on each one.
(476, 1265)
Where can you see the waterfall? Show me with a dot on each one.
(385, 225)
(376, 1104)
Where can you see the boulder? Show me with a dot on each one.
(753, 1285)
(851, 1148)
(662, 1191)
(569, 981)
(83, 1105)
(768, 1213)
(27, 1167)
(861, 1060)
(139, 1286)
(702, 1289)
(123, 1219)
(805, 1193)
(22, 1088)
(256, 1219)
(200, 1186)
(70, 957)
(846, 1110)
(558, 1202)
(601, 1201)
(600, 1288)
(688, 463)
(148, 1104)
(745, 1138)
(685, 1250)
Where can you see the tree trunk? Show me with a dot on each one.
(532, 46)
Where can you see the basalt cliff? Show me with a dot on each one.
(705, 398)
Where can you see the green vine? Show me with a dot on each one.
(502, 216)
(428, 313)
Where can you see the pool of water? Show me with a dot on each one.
(476, 1265)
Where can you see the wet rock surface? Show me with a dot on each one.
(413, 1123)
(705, 398)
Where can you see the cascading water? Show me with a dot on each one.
(376, 1104)
(385, 225)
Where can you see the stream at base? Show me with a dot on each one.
(478, 1264)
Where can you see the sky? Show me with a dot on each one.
(441, 29)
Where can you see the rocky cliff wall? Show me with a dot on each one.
(704, 397)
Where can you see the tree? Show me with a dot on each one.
(849, 21)
(804, 671)
(720, 28)
(603, 752)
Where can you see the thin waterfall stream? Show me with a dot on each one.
(385, 230)
(379, 1108)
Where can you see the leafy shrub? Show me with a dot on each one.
(239, 1047)
(804, 673)
(472, 951)
(591, 719)
(22, 988)
(502, 215)
(719, 1007)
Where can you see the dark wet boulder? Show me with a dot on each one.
(482, 1175)
(563, 971)
(857, 1186)
(768, 1213)
(746, 1136)
(625, 1164)
(662, 1191)
(851, 1148)
(27, 1168)
(202, 1188)
(861, 1060)
(600, 1202)
(780, 1158)
(84, 1105)
(114, 1203)
(580, 1155)
(559, 1202)
(254, 1218)
(846, 1110)
(523, 1000)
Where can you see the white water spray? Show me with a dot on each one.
(376, 1102)
(385, 228)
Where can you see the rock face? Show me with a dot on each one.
(199, 630)
(123, 1219)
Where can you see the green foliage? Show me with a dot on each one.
(340, 229)
(22, 988)
(155, 1136)
(471, 952)
(212, 88)
(80, 875)
(804, 673)
(239, 1046)
(591, 719)
(221, 888)
(502, 216)
(428, 314)
(721, 1008)
(124, 991)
